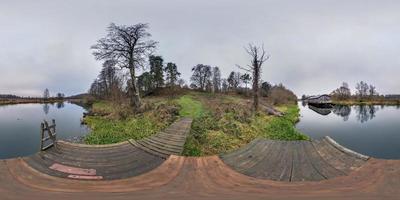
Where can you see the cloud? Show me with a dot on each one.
(314, 45)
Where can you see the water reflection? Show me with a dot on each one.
(363, 113)
(60, 105)
(367, 129)
(46, 108)
(342, 111)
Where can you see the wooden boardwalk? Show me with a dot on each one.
(168, 142)
(150, 170)
(294, 160)
(118, 161)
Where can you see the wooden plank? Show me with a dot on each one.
(303, 170)
(176, 146)
(138, 145)
(82, 177)
(265, 169)
(282, 170)
(346, 150)
(158, 148)
(257, 155)
(166, 142)
(334, 157)
(323, 167)
(242, 157)
(73, 170)
(240, 150)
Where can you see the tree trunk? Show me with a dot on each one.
(255, 86)
(135, 97)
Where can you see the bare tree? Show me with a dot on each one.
(216, 79)
(362, 89)
(258, 57)
(372, 91)
(46, 94)
(129, 46)
(343, 92)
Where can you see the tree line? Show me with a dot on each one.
(363, 91)
(127, 49)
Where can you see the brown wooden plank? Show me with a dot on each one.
(282, 170)
(240, 150)
(242, 157)
(257, 154)
(320, 164)
(144, 148)
(303, 170)
(178, 147)
(333, 156)
(159, 147)
(166, 142)
(265, 169)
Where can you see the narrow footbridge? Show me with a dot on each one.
(153, 168)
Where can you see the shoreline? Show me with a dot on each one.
(368, 103)
(4, 102)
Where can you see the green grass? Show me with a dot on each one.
(103, 107)
(116, 123)
(221, 123)
(283, 128)
(106, 131)
(190, 107)
(212, 135)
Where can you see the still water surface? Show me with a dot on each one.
(20, 126)
(370, 130)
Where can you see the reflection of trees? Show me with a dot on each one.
(303, 103)
(46, 108)
(343, 111)
(60, 105)
(365, 113)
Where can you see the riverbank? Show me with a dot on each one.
(367, 102)
(221, 123)
(25, 101)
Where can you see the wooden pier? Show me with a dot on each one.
(153, 169)
(294, 160)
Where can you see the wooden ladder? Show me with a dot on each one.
(51, 135)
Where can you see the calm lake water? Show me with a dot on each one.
(20, 126)
(370, 130)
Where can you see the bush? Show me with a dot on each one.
(279, 95)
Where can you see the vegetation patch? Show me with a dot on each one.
(117, 124)
(224, 127)
(190, 107)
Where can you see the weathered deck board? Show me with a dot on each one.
(167, 142)
(115, 161)
(294, 160)
(303, 169)
(320, 164)
(207, 177)
(282, 168)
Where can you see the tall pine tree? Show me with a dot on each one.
(172, 73)
(156, 71)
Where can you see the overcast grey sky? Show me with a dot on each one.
(314, 45)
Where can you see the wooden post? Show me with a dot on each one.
(54, 133)
(42, 135)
